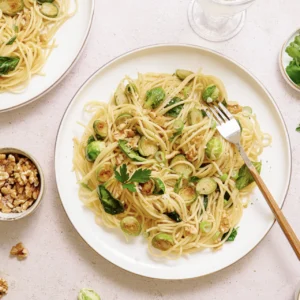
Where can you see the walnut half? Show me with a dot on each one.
(3, 287)
(19, 250)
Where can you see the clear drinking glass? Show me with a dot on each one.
(218, 20)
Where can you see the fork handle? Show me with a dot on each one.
(284, 224)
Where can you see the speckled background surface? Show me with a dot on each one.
(60, 263)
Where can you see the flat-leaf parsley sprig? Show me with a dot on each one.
(139, 176)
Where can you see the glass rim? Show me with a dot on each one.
(233, 3)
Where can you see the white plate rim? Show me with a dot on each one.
(285, 75)
(199, 48)
(66, 71)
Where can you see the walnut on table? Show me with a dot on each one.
(19, 251)
(3, 287)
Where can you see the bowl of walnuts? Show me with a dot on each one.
(21, 184)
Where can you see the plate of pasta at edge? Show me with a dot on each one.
(34, 51)
(145, 177)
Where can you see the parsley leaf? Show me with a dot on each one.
(130, 187)
(141, 176)
(298, 128)
(123, 176)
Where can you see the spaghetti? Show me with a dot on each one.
(198, 186)
(26, 39)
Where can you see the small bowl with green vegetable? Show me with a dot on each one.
(290, 60)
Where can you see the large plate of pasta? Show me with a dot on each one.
(34, 51)
(146, 179)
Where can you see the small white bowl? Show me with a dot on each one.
(32, 208)
(284, 61)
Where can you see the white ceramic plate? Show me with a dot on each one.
(61, 59)
(284, 61)
(241, 86)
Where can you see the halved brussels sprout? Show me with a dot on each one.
(147, 147)
(178, 125)
(93, 149)
(88, 294)
(183, 74)
(195, 116)
(154, 98)
(188, 194)
(211, 93)
(122, 118)
(131, 226)
(162, 241)
(90, 139)
(103, 173)
(206, 186)
(101, 128)
(120, 97)
(11, 7)
(159, 186)
(183, 169)
(214, 148)
(130, 89)
(49, 10)
(177, 158)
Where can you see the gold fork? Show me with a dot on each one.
(229, 128)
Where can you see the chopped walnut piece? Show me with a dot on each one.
(191, 155)
(119, 136)
(133, 143)
(234, 107)
(19, 180)
(19, 250)
(129, 133)
(197, 140)
(225, 223)
(119, 159)
(122, 126)
(3, 287)
(190, 229)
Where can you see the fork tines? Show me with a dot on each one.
(221, 113)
